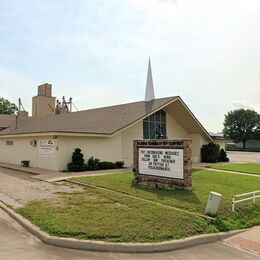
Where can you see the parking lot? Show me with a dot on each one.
(252, 157)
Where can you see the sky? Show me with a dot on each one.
(97, 51)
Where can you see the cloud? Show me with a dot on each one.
(97, 51)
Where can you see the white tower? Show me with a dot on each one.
(149, 92)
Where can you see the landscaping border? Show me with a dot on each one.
(101, 246)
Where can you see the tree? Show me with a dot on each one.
(6, 107)
(241, 125)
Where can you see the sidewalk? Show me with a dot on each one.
(202, 165)
(248, 240)
(206, 166)
(53, 176)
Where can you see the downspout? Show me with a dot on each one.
(16, 121)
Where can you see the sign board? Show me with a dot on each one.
(46, 148)
(165, 164)
(161, 162)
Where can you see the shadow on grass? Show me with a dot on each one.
(194, 170)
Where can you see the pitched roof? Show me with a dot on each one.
(103, 121)
(6, 120)
(217, 136)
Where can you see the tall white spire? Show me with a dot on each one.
(149, 92)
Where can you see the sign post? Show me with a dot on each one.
(163, 163)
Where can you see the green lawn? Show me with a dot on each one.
(252, 168)
(102, 215)
(203, 182)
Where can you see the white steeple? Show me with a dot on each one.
(149, 92)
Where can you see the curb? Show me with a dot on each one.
(26, 170)
(100, 246)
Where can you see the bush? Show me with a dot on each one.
(119, 164)
(78, 157)
(223, 156)
(77, 168)
(77, 164)
(93, 163)
(210, 153)
(106, 165)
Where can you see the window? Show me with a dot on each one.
(9, 142)
(154, 126)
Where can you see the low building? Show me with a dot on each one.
(219, 139)
(47, 139)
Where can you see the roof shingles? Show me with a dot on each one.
(104, 121)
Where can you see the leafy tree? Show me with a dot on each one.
(241, 125)
(6, 107)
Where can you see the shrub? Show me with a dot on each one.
(78, 157)
(106, 165)
(223, 156)
(77, 164)
(210, 153)
(77, 168)
(93, 163)
(119, 164)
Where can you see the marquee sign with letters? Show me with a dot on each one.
(163, 163)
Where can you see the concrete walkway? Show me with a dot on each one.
(53, 176)
(206, 166)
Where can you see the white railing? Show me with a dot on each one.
(253, 197)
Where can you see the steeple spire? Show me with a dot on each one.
(149, 92)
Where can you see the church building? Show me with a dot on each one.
(48, 138)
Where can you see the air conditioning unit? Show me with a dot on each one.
(33, 143)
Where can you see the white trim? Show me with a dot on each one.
(54, 134)
(193, 116)
(165, 105)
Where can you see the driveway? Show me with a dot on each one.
(243, 157)
(17, 188)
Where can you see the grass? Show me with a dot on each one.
(203, 182)
(251, 168)
(101, 215)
